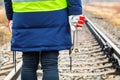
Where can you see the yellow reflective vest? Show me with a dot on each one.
(38, 5)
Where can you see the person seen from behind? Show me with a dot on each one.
(40, 29)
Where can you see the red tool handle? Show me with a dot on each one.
(80, 22)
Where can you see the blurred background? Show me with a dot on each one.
(4, 32)
(107, 9)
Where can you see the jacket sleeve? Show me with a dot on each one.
(74, 7)
(8, 9)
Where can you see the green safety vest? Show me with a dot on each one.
(38, 5)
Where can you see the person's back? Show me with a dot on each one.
(41, 26)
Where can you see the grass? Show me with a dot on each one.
(108, 11)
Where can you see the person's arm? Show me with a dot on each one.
(76, 18)
(74, 7)
(8, 9)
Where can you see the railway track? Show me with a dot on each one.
(93, 59)
(89, 63)
(6, 60)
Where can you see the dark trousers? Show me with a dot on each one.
(49, 62)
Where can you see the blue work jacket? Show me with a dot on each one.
(42, 31)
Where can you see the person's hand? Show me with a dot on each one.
(76, 22)
(10, 25)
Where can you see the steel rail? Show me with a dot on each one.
(107, 43)
(14, 73)
(104, 36)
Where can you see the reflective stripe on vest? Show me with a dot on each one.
(38, 5)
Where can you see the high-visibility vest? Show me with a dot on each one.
(38, 5)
